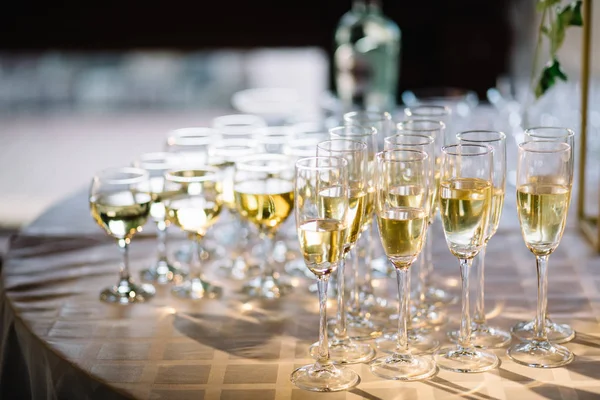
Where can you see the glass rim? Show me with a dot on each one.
(192, 136)
(358, 146)
(213, 174)
(440, 125)
(569, 133)
(222, 144)
(155, 160)
(443, 110)
(283, 160)
(381, 155)
(378, 116)
(428, 140)
(103, 175)
(236, 117)
(448, 149)
(561, 146)
(368, 131)
(300, 163)
(501, 136)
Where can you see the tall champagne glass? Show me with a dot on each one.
(544, 182)
(321, 239)
(237, 126)
(557, 333)
(360, 327)
(194, 203)
(483, 335)
(465, 197)
(343, 349)
(157, 164)
(429, 120)
(435, 112)
(419, 339)
(120, 202)
(402, 217)
(264, 195)
(222, 154)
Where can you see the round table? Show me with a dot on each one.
(59, 341)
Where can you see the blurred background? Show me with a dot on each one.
(87, 85)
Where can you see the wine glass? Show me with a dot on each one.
(483, 335)
(157, 164)
(222, 155)
(418, 339)
(360, 327)
(120, 202)
(194, 203)
(434, 112)
(402, 217)
(379, 120)
(544, 182)
(432, 127)
(264, 195)
(321, 241)
(465, 197)
(343, 350)
(237, 126)
(557, 333)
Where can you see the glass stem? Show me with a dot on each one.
(542, 297)
(479, 317)
(403, 311)
(355, 306)
(341, 331)
(124, 271)
(422, 277)
(162, 241)
(464, 341)
(323, 356)
(266, 266)
(367, 286)
(428, 264)
(196, 257)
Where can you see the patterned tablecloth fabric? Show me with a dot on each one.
(68, 344)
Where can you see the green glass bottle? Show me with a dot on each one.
(366, 58)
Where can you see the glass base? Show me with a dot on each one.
(404, 368)
(324, 378)
(379, 307)
(197, 288)
(163, 272)
(346, 352)
(268, 287)
(540, 354)
(127, 292)
(428, 315)
(360, 328)
(418, 342)
(458, 359)
(484, 336)
(556, 333)
(439, 296)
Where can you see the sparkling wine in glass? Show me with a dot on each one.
(264, 196)
(544, 182)
(525, 330)
(402, 218)
(465, 197)
(194, 204)
(322, 239)
(120, 202)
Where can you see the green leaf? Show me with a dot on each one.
(556, 35)
(541, 4)
(550, 74)
(570, 15)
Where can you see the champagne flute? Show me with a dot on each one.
(430, 120)
(465, 197)
(525, 330)
(191, 144)
(544, 182)
(483, 335)
(359, 325)
(343, 350)
(402, 217)
(322, 239)
(434, 112)
(120, 202)
(237, 126)
(418, 339)
(222, 155)
(157, 164)
(194, 204)
(264, 195)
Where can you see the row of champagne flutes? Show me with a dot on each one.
(470, 197)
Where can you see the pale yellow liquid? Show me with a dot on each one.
(333, 202)
(121, 214)
(495, 211)
(465, 209)
(193, 214)
(402, 232)
(265, 203)
(404, 196)
(542, 210)
(321, 242)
